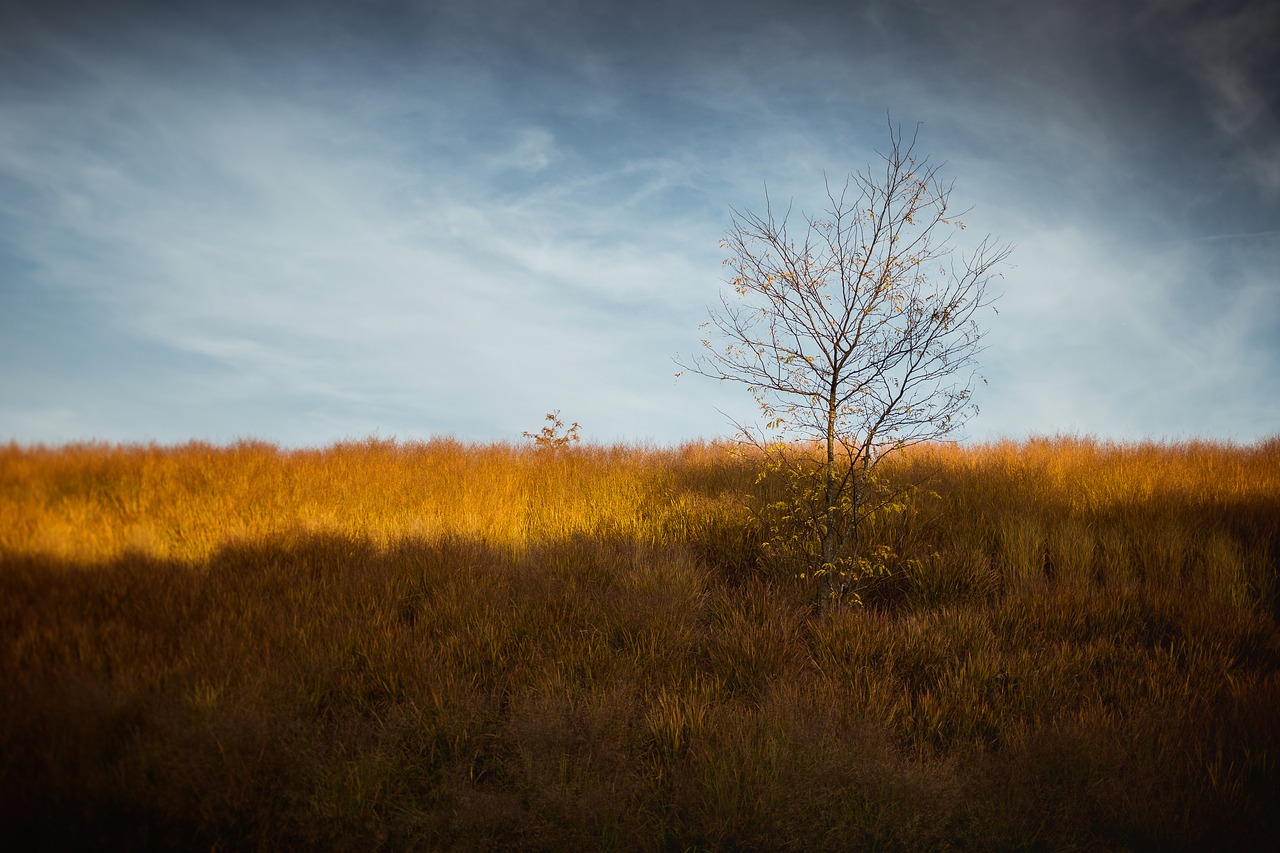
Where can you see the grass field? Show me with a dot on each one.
(383, 645)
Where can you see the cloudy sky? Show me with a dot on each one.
(315, 221)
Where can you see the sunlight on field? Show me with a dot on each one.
(96, 503)
(443, 645)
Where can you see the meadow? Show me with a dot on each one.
(399, 646)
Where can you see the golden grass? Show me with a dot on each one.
(423, 646)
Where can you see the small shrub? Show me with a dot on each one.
(554, 435)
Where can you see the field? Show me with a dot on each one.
(386, 645)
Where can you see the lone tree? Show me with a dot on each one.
(856, 331)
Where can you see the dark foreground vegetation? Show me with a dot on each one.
(439, 646)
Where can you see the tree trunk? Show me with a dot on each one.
(829, 538)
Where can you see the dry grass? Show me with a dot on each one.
(424, 646)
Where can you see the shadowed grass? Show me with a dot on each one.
(424, 646)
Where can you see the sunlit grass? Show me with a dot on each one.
(444, 645)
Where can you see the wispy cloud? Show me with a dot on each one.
(268, 240)
(449, 221)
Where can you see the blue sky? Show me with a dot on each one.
(315, 221)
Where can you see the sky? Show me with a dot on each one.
(319, 221)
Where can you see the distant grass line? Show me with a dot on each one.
(385, 645)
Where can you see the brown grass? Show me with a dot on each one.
(425, 646)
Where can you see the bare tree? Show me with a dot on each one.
(856, 331)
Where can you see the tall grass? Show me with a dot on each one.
(423, 646)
